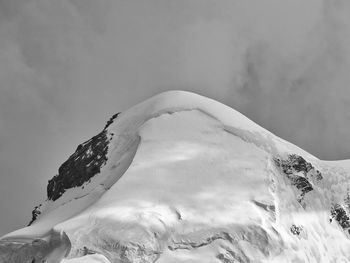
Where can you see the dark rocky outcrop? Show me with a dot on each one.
(299, 172)
(302, 184)
(35, 213)
(111, 120)
(296, 164)
(82, 165)
(341, 216)
(296, 230)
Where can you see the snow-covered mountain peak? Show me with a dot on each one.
(183, 178)
(232, 120)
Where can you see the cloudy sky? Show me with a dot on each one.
(66, 66)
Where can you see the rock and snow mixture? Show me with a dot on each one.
(183, 178)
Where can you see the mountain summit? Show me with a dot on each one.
(183, 178)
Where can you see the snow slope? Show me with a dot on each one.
(189, 179)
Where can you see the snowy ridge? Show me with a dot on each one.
(188, 179)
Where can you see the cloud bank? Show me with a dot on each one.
(66, 66)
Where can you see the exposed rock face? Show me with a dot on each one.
(299, 172)
(296, 164)
(296, 230)
(82, 165)
(35, 213)
(111, 120)
(341, 216)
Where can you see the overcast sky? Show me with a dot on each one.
(66, 66)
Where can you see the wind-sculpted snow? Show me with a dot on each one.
(187, 179)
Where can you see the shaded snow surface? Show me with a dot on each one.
(188, 179)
